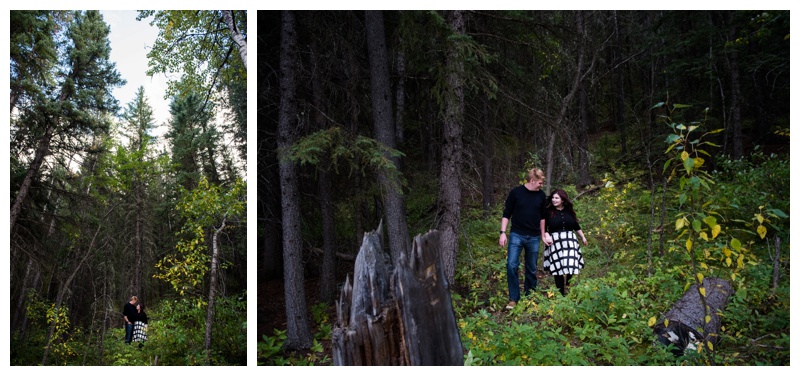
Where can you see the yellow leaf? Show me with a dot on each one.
(708, 319)
(760, 218)
(711, 346)
(684, 155)
(733, 276)
(704, 236)
(652, 321)
(698, 162)
(727, 252)
(700, 277)
(679, 224)
(703, 291)
(715, 231)
(762, 231)
(740, 261)
(666, 322)
(704, 266)
(728, 261)
(689, 245)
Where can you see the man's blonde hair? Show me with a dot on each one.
(134, 298)
(536, 174)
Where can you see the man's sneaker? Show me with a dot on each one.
(511, 305)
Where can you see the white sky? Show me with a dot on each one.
(130, 41)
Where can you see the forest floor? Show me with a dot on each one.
(272, 306)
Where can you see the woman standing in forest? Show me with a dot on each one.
(140, 325)
(563, 257)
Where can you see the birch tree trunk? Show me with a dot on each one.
(212, 289)
(236, 35)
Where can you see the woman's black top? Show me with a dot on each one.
(560, 220)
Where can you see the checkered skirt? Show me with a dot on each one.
(564, 255)
(139, 331)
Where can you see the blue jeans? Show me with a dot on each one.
(516, 243)
(128, 333)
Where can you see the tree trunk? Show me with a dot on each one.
(452, 149)
(298, 329)
(400, 97)
(686, 325)
(62, 291)
(584, 176)
(487, 175)
(41, 151)
(776, 265)
(565, 103)
(212, 289)
(397, 315)
(236, 35)
(736, 107)
(393, 201)
(619, 87)
(328, 280)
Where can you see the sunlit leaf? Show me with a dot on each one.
(702, 291)
(715, 231)
(700, 277)
(762, 231)
(708, 319)
(684, 155)
(689, 245)
(652, 321)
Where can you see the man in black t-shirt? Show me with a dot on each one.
(524, 208)
(129, 315)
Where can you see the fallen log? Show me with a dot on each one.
(396, 313)
(685, 326)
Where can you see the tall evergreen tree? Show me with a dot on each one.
(82, 94)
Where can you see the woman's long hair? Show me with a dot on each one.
(565, 201)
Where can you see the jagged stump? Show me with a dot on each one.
(686, 324)
(397, 313)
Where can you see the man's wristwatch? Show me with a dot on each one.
(502, 232)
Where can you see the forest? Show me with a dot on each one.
(104, 207)
(669, 130)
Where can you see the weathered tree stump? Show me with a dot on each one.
(686, 325)
(397, 313)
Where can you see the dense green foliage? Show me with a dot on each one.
(608, 314)
(174, 338)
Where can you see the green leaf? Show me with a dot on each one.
(736, 244)
(778, 213)
(688, 164)
(677, 106)
(671, 139)
(696, 225)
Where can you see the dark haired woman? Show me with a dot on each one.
(562, 258)
(140, 325)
